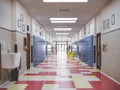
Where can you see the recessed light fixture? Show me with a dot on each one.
(64, 1)
(62, 29)
(62, 33)
(63, 20)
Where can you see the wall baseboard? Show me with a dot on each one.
(110, 78)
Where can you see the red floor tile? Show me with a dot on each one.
(43, 73)
(38, 74)
(22, 82)
(85, 89)
(75, 71)
(51, 82)
(35, 85)
(3, 89)
(104, 86)
(52, 73)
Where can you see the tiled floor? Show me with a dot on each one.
(58, 73)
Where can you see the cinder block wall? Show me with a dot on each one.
(111, 58)
(5, 40)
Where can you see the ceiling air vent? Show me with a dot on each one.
(64, 10)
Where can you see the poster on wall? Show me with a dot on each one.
(113, 19)
(21, 17)
(19, 23)
(23, 27)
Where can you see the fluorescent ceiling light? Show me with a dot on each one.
(64, 1)
(63, 19)
(62, 33)
(62, 29)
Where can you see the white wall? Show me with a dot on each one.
(112, 8)
(35, 28)
(110, 36)
(5, 14)
(10, 13)
(22, 18)
(14, 15)
(90, 30)
(47, 36)
(77, 37)
(38, 29)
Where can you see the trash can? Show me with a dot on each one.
(14, 75)
(68, 55)
(72, 55)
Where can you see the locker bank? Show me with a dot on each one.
(59, 45)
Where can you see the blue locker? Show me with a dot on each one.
(39, 50)
(86, 49)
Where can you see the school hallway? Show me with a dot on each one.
(59, 45)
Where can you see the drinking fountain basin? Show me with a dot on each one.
(10, 60)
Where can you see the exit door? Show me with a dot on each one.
(61, 47)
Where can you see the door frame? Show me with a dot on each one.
(98, 50)
(0, 63)
(28, 60)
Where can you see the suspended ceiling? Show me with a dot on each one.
(42, 12)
